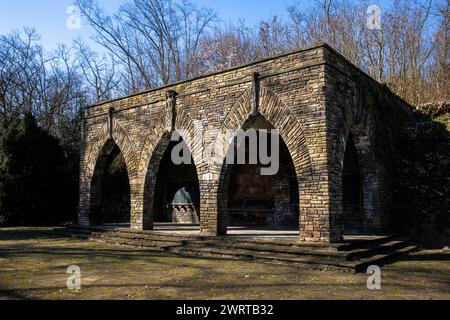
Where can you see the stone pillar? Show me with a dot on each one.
(283, 214)
(212, 210)
(373, 188)
(84, 201)
(370, 202)
(84, 191)
(317, 219)
(140, 220)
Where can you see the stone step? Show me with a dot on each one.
(272, 248)
(382, 259)
(133, 243)
(229, 239)
(366, 243)
(138, 242)
(262, 245)
(375, 249)
(211, 245)
(207, 249)
(140, 234)
(351, 256)
(266, 244)
(313, 261)
(281, 243)
(378, 253)
(246, 242)
(271, 257)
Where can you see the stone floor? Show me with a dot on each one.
(262, 233)
(194, 230)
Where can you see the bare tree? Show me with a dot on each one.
(154, 42)
(99, 73)
(438, 72)
(408, 52)
(157, 41)
(225, 47)
(32, 80)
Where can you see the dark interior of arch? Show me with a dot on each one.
(110, 189)
(352, 190)
(177, 191)
(258, 200)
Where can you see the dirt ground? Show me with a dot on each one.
(33, 265)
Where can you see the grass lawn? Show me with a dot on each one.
(33, 266)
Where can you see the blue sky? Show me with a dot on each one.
(49, 17)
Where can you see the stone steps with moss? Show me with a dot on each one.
(350, 256)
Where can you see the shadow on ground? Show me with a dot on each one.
(33, 265)
(11, 234)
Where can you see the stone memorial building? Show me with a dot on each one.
(336, 127)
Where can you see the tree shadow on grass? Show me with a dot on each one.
(110, 255)
(12, 294)
(199, 286)
(28, 234)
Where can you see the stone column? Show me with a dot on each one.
(84, 201)
(140, 220)
(212, 207)
(317, 219)
(84, 187)
(373, 188)
(282, 214)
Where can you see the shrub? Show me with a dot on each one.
(35, 185)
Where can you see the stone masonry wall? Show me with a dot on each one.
(361, 108)
(309, 96)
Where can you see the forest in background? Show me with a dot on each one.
(149, 43)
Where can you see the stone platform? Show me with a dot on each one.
(282, 246)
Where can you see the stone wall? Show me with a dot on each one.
(310, 96)
(175, 198)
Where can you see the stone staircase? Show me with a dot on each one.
(350, 256)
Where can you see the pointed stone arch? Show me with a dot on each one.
(278, 114)
(98, 141)
(162, 129)
(355, 120)
(93, 151)
(153, 150)
(372, 186)
(280, 117)
(113, 206)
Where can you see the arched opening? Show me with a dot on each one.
(176, 190)
(110, 188)
(251, 198)
(352, 190)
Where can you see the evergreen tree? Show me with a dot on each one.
(33, 175)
